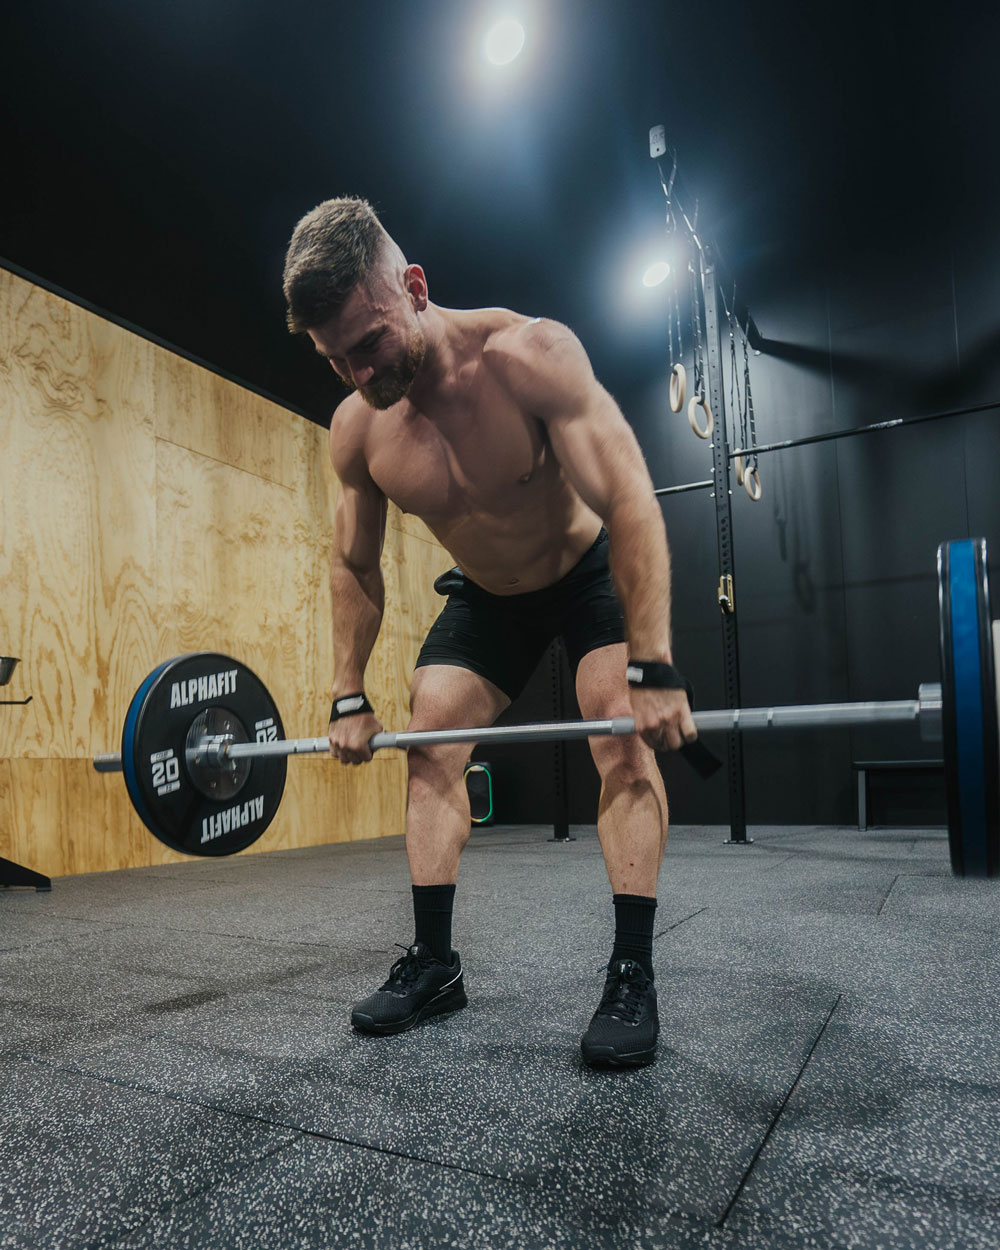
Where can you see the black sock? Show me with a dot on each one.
(432, 908)
(634, 917)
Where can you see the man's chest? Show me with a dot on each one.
(485, 457)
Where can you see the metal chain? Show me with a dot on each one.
(679, 359)
(737, 403)
(673, 304)
(673, 300)
(699, 357)
(750, 437)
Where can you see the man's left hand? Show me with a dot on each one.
(663, 718)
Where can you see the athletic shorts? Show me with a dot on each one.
(503, 637)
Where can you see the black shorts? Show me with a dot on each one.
(503, 637)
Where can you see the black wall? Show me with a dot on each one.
(836, 584)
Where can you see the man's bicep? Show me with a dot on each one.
(359, 527)
(550, 374)
(359, 518)
(598, 452)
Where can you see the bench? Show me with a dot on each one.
(864, 767)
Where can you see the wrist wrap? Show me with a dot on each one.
(655, 675)
(350, 705)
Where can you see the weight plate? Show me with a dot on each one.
(971, 735)
(155, 741)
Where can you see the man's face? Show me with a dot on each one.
(374, 344)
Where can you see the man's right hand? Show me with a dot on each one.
(349, 737)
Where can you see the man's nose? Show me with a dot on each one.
(361, 374)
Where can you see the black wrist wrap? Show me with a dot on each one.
(350, 705)
(654, 675)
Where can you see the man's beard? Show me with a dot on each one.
(394, 382)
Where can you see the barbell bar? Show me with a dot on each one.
(213, 751)
(204, 754)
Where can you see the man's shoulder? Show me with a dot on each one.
(538, 360)
(525, 342)
(348, 430)
(347, 423)
(515, 332)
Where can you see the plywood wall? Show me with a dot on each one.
(148, 508)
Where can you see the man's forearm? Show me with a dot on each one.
(640, 567)
(358, 604)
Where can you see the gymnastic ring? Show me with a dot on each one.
(739, 469)
(697, 402)
(678, 387)
(751, 484)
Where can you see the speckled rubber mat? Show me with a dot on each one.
(177, 1067)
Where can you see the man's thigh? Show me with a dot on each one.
(446, 696)
(601, 685)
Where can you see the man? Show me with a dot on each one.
(491, 427)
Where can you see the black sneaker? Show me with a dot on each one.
(418, 986)
(625, 1027)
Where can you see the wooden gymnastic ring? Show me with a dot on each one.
(697, 402)
(751, 484)
(678, 387)
(739, 469)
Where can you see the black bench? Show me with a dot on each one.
(864, 767)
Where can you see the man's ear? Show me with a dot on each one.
(415, 282)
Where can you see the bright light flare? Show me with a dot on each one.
(503, 42)
(656, 273)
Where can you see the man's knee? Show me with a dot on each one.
(624, 761)
(436, 769)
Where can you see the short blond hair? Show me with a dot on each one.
(332, 250)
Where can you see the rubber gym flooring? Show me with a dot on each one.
(177, 1068)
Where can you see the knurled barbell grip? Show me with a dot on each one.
(556, 731)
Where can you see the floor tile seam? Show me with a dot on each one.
(840, 844)
(860, 876)
(677, 923)
(236, 937)
(721, 1221)
(297, 1131)
(885, 897)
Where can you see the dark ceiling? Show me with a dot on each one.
(157, 156)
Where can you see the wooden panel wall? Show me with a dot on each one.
(150, 507)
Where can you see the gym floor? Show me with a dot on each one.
(178, 1069)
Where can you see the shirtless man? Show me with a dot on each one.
(491, 427)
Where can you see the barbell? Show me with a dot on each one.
(204, 755)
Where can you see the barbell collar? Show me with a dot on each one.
(931, 702)
(108, 762)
